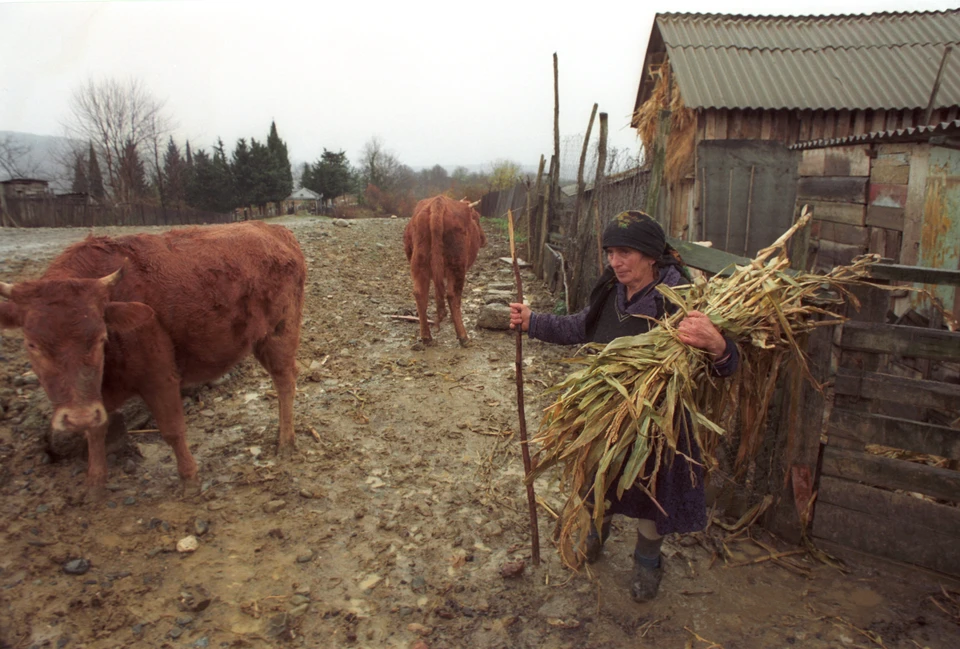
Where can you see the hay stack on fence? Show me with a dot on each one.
(627, 403)
(681, 140)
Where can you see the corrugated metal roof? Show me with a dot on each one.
(873, 61)
(913, 134)
(810, 32)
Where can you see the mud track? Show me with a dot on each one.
(390, 527)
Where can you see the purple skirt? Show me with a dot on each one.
(680, 492)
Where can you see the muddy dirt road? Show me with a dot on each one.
(390, 527)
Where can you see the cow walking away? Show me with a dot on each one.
(113, 318)
(441, 242)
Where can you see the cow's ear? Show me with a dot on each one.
(10, 316)
(126, 316)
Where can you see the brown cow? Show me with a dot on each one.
(441, 241)
(146, 314)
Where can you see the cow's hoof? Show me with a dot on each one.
(286, 451)
(189, 487)
(465, 342)
(95, 494)
(422, 344)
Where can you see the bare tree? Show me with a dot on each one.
(15, 158)
(111, 114)
(380, 167)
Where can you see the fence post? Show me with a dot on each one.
(581, 237)
(545, 219)
(533, 220)
(581, 186)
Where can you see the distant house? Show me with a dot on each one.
(302, 198)
(16, 192)
(25, 187)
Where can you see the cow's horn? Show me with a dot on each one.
(6, 290)
(474, 203)
(112, 278)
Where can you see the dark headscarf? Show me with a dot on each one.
(637, 230)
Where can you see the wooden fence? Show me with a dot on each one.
(545, 227)
(497, 204)
(870, 465)
(889, 483)
(56, 212)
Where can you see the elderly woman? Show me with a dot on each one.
(639, 259)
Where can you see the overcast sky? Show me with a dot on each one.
(450, 83)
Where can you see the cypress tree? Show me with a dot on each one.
(224, 187)
(280, 182)
(94, 177)
(242, 173)
(80, 184)
(173, 173)
(263, 175)
(133, 174)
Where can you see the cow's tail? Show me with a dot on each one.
(437, 269)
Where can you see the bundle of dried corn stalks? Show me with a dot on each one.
(681, 140)
(627, 404)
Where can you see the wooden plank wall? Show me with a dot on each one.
(792, 126)
(859, 195)
(888, 484)
(834, 182)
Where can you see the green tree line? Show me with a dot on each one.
(141, 162)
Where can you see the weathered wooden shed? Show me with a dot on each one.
(895, 193)
(25, 187)
(723, 97)
(745, 120)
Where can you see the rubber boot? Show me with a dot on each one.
(647, 568)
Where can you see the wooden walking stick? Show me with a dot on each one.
(531, 496)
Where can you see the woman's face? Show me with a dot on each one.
(633, 268)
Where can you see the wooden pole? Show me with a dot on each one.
(545, 220)
(534, 230)
(524, 447)
(936, 85)
(598, 186)
(576, 233)
(527, 220)
(556, 117)
(581, 186)
(703, 206)
(554, 199)
(726, 245)
(3, 207)
(746, 231)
